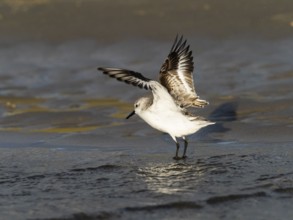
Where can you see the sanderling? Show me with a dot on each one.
(167, 108)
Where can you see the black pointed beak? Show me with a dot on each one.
(131, 114)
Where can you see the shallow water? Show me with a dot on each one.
(68, 153)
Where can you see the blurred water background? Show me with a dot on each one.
(66, 151)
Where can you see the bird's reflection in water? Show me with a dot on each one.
(173, 178)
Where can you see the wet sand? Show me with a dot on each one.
(66, 151)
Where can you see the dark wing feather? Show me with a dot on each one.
(127, 76)
(176, 75)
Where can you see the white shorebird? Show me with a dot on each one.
(167, 108)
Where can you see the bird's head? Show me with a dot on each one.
(140, 105)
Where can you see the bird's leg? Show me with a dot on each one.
(177, 150)
(185, 148)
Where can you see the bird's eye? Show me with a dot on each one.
(136, 105)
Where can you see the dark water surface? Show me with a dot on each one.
(66, 151)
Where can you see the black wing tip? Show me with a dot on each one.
(180, 44)
(124, 75)
(180, 53)
(101, 68)
(107, 69)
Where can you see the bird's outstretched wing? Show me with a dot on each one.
(137, 79)
(128, 76)
(176, 75)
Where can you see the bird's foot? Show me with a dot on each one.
(177, 158)
(180, 158)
